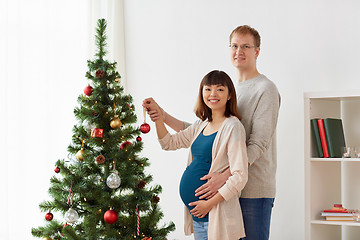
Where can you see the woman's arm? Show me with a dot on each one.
(238, 163)
(160, 128)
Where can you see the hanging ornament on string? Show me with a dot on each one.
(113, 181)
(111, 216)
(79, 154)
(88, 90)
(47, 238)
(144, 128)
(71, 216)
(115, 122)
(49, 216)
(138, 139)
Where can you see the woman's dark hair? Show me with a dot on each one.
(216, 77)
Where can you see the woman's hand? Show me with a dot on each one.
(201, 208)
(153, 109)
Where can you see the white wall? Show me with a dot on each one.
(306, 46)
(170, 45)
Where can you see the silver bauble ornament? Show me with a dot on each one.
(71, 216)
(113, 181)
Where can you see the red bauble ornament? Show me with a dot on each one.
(57, 169)
(139, 139)
(49, 216)
(111, 216)
(88, 90)
(125, 145)
(145, 128)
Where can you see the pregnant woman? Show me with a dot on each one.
(217, 142)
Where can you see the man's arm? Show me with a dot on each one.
(215, 182)
(265, 119)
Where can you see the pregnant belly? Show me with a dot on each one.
(190, 181)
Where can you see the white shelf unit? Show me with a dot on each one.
(331, 180)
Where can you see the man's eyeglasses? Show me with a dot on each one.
(244, 47)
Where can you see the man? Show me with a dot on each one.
(258, 102)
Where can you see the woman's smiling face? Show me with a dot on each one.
(215, 97)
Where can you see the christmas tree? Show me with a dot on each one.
(100, 191)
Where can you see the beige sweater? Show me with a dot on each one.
(229, 150)
(258, 102)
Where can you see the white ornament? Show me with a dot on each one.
(113, 181)
(71, 216)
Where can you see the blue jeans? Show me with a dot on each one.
(200, 230)
(256, 214)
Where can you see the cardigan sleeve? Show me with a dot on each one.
(238, 163)
(182, 139)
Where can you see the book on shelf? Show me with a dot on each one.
(329, 137)
(316, 135)
(336, 214)
(323, 137)
(334, 134)
(339, 218)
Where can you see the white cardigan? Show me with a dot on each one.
(229, 150)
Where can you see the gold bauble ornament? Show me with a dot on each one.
(117, 79)
(47, 238)
(79, 154)
(115, 122)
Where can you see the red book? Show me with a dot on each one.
(336, 211)
(323, 137)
